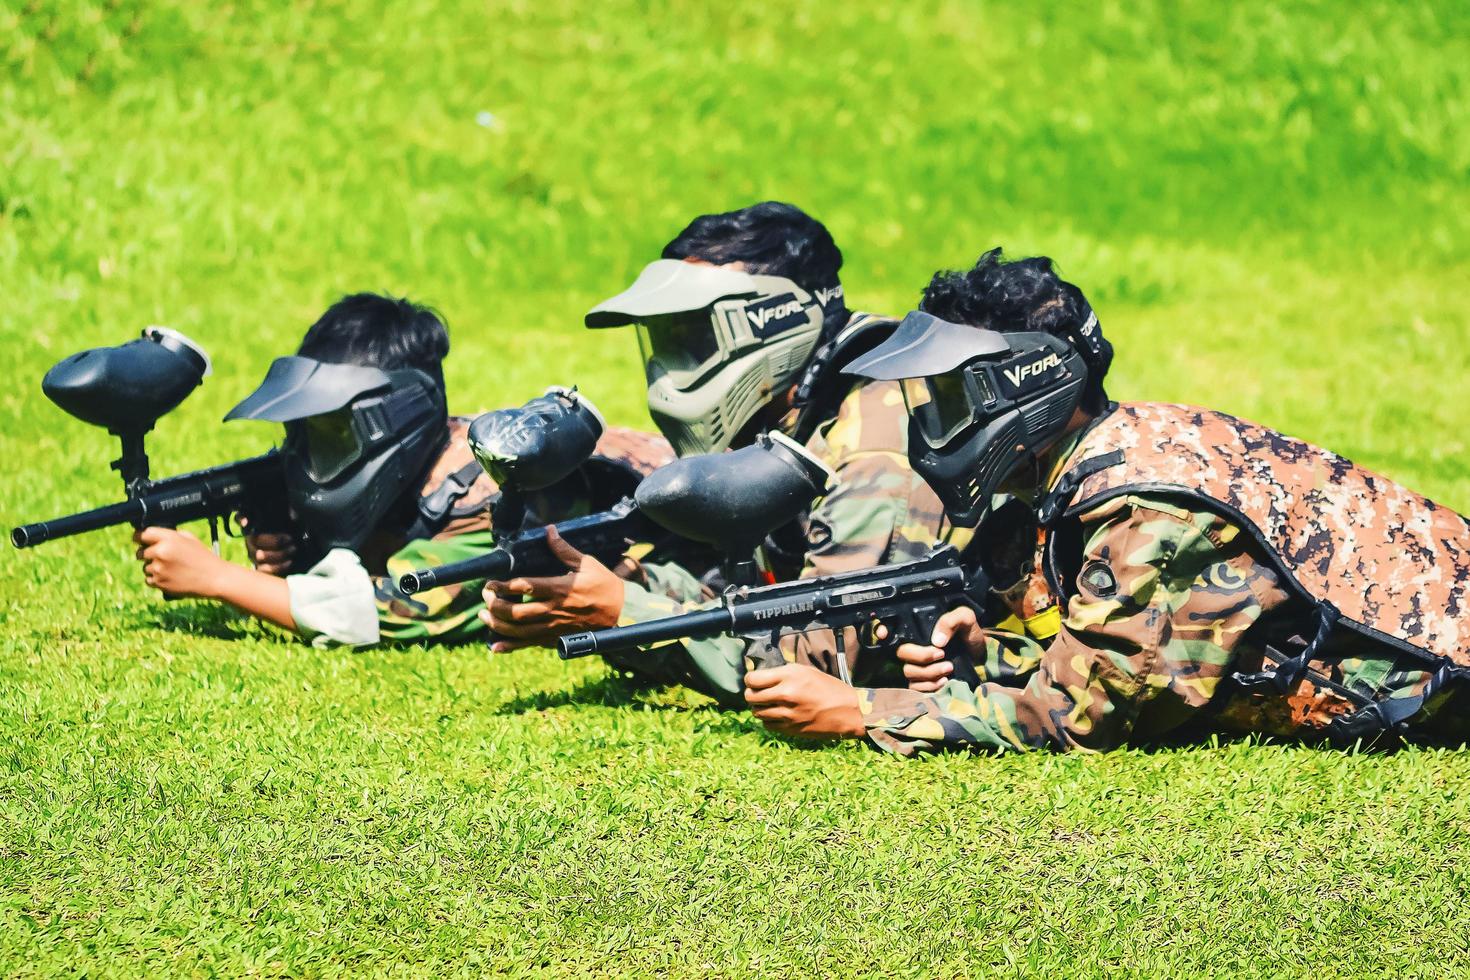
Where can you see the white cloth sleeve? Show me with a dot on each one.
(333, 602)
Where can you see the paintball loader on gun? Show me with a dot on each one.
(710, 498)
(126, 389)
(541, 455)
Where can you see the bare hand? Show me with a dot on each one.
(589, 596)
(269, 553)
(925, 667)
(802, 701)
(178, 563)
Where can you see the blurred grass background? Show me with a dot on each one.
(1268, 203)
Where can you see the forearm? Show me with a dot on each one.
(863, 523)
(998, 716)
(1149, 631)
(266, 597)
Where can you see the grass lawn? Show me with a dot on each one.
(1268, 203)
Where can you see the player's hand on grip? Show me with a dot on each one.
(925, 666)
(534, 611)
(178, 563)
(269, 553)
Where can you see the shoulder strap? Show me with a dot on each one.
(1061, 495)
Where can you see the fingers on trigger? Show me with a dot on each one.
(520, 586)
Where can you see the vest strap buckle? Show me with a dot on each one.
(1390, 714)
(435, 507)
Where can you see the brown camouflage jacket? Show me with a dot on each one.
(1182, 616)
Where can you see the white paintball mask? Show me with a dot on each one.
(718, 345)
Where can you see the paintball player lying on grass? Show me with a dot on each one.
(379, 477)
(1215, 574)
(730, 324)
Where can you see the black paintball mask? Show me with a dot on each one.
(358, 441)
(981, 403)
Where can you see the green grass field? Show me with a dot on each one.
(1269, 205)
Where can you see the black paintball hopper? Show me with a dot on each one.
(538, 444)
(127, 388)
(733, 500)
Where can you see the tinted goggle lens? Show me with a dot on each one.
(331, 444)
(939, 404)
(683, 345)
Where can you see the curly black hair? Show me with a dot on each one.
(1023, 295)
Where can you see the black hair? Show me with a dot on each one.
(381, 332)
(1023, 295)
(770, 238)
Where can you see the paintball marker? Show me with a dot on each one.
(535, 452)
(907, 598)
(126, 389)
(732, 502)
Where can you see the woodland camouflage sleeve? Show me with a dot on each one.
(447, 614)
(863, 522)
(451, 613)
(1161, 600)
(879, 510)
(714, 666)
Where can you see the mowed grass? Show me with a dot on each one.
(1267, 204)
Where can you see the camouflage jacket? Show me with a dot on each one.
(878, 511)
(448, 613)
(1181, 617)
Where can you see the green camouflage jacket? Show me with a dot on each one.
(878, 511)
(1170, 602)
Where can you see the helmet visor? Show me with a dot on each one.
(331, 444)
(939, 404)
(683, 346)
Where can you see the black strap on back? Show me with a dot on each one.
(1061, 495)
(1388, 715)
(1287, 674)
(436, 508)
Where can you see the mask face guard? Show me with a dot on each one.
(706, 418)
(716, 344)
(357, 438)
(980, 403)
